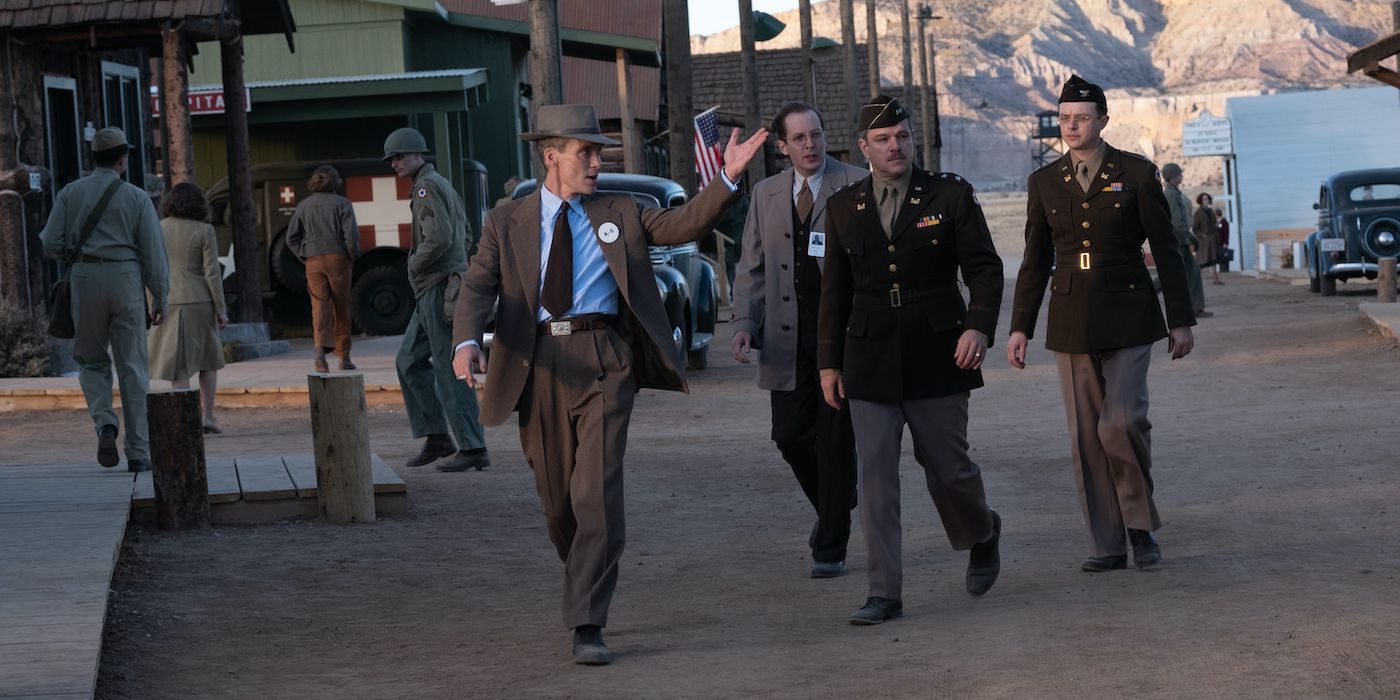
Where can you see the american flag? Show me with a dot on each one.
(708, 156)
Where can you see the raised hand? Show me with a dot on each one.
(737, 155)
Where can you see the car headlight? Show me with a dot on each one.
(1386, 238)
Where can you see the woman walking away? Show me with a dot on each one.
(188, 342)
(324, 235)
(1207, 234)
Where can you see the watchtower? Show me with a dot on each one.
(1046, 138)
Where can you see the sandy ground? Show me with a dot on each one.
(1275, 470)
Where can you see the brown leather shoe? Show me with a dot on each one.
(320, 364)
(346, 365)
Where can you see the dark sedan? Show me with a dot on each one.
(1358, 222)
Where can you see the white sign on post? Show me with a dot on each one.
(36, 181)
(1207, 135)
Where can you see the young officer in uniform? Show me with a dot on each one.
(776, 291)
(579, 330)
(435, 268)
(895, 337)
(122, 259)
(1087, 217)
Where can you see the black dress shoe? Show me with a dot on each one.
(437, 446)
(589, 648)
(984, 564)
(107, 446)
(1146, 551)
(1097, 565)
(877, 610)
(828, 569)
(467, 459)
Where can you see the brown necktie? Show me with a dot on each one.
(889, 209)
(804, 202)
(557, 297)
(1083, 176)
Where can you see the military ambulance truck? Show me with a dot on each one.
(381, 300)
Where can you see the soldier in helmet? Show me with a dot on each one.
(436, 264)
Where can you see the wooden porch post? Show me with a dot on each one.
(631, 143)
(240, 184)
(175, 107)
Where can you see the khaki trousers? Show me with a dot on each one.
(328, 282)
(109, 309)
(1110, 441)
(574, 415)
(939, 428)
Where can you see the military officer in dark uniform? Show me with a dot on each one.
(896, 339)
(1087, 217)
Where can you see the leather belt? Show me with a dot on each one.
(569, 326)
(1088, 261)
(896, 297)
(99, 261)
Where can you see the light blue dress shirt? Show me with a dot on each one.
(595, 288)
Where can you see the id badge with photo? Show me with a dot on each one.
(816, 244)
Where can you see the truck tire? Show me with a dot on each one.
(1314, 280)
(381, 301)
(289, 270)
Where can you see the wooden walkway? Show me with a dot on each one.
(61, 529)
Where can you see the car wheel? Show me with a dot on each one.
(381, 302)
(1328, 286)
(698, 359)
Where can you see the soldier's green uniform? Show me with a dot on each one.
(442, 238)
(121, 261)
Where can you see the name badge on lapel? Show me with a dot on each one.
(927, 221)
(608, 233)
(816, 244)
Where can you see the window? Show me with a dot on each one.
(65, 138)
(122, 108)
(1375, 192)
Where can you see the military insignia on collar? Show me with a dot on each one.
(860, 206)
(931, 220)
(913, 200)
(1103, 176)
(422, 192)
(1068, 178)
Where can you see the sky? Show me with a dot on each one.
(710, 16)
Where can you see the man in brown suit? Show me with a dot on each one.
(1087, 216)
(896, 338)
(580, 328)
(776, 292)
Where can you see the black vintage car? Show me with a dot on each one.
(1358, 222)
(685, 281)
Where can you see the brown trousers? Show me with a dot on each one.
(574, 415)
(328, 281)
(1110, 442)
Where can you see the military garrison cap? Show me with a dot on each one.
(882, 111)
(1077, 89)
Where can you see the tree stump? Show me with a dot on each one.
(340, 431)
(177, 459)
(1385, 281)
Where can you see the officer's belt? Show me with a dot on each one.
(897, 297)
(99, 261)
(1088, 261)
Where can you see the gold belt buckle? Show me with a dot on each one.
(895, 301)
(1084, 261)
(561, 328)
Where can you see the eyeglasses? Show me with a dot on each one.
(803, 139)
(1072, 118)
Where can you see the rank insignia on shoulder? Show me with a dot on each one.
(422, 192)
(931, 220)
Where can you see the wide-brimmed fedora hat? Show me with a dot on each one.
(568, 122)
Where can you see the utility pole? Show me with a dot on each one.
(848, 51)
(930, 131)
(242, 217)
(809, 79)
(546, 82)
(749, 68)
(872, 48)
(908, 53)
(680, 101)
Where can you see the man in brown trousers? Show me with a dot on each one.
(323, 233)
(580, 328)
(1087, 216)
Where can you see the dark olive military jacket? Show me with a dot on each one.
(1089, 248)
(891, 310)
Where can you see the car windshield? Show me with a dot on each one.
(1388, 192)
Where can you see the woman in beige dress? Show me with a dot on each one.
(188, 342)
(1207, 232)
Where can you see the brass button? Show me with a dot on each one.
(525, 362)
(935, 241)
(1085, 224)
(894, 268)
(1052, 211)
(890, 248)
(1132, 286)
(1085, 205)
(1053, 287)
(1086, 243)
(895, 286)
(1117, 205)
(958, 323)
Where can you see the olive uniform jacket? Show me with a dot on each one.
(891, 310)
(442, 236)
(1089, 248)
(507, 267)
(765, 296)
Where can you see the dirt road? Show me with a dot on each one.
(1276, 477)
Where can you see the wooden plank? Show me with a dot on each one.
(143, 494)
(302, 468)
(386, 480)
(264, 479)
(223, 480)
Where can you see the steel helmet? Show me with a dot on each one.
(405, 140)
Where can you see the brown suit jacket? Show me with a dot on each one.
(507, 266)
(765, 300)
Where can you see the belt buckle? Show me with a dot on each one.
(1084, 261)
(561, 328)
(895, 300)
